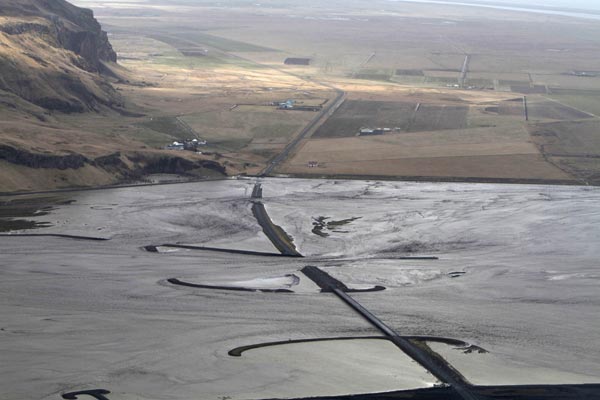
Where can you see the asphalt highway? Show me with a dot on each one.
(325, 113)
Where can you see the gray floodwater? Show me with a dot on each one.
(78, 314)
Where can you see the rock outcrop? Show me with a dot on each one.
(125, 167)
(37, 160)
(53, 54)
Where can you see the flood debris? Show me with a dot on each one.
(322, 227)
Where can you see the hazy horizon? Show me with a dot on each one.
(573, 4)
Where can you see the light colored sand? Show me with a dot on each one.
(300, 284)
(491, 369)
(334, 368)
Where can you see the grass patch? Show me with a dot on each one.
(374, 74)
(441, 80)
(480, 83)
(274, 130)
(408, 79)
(224, 44)
(230, 144)
(149, 136)
(211, 60)
(167, 126)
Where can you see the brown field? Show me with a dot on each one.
(511, 168)
(435, 117)
(510, 107)
(356, 114)
(449, 153)
(409, 72)
(399, 116)
(526, 89)
(540, 109)
(587, 170)
(573, 138)
(588, 102)
(574, 146)
(566, 81)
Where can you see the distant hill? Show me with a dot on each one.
(55, 55)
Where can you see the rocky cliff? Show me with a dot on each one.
(53, 54)
(22, 170)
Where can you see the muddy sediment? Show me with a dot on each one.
(15, 213)
(322, 227)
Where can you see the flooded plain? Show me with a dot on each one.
(511, 269)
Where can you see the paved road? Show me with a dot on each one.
(280, 239)
(326, 112)
(257, 191)
(464, 70)
(276, 235)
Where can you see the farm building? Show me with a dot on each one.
(297, 61)
(373, 131)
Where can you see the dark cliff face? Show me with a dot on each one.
(33, 160)
(75, 28)
(141, 164)
(66, 79)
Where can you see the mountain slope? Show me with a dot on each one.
(53, 54)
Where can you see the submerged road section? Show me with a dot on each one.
(435, 365)
(326, 282)
(280, 239)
